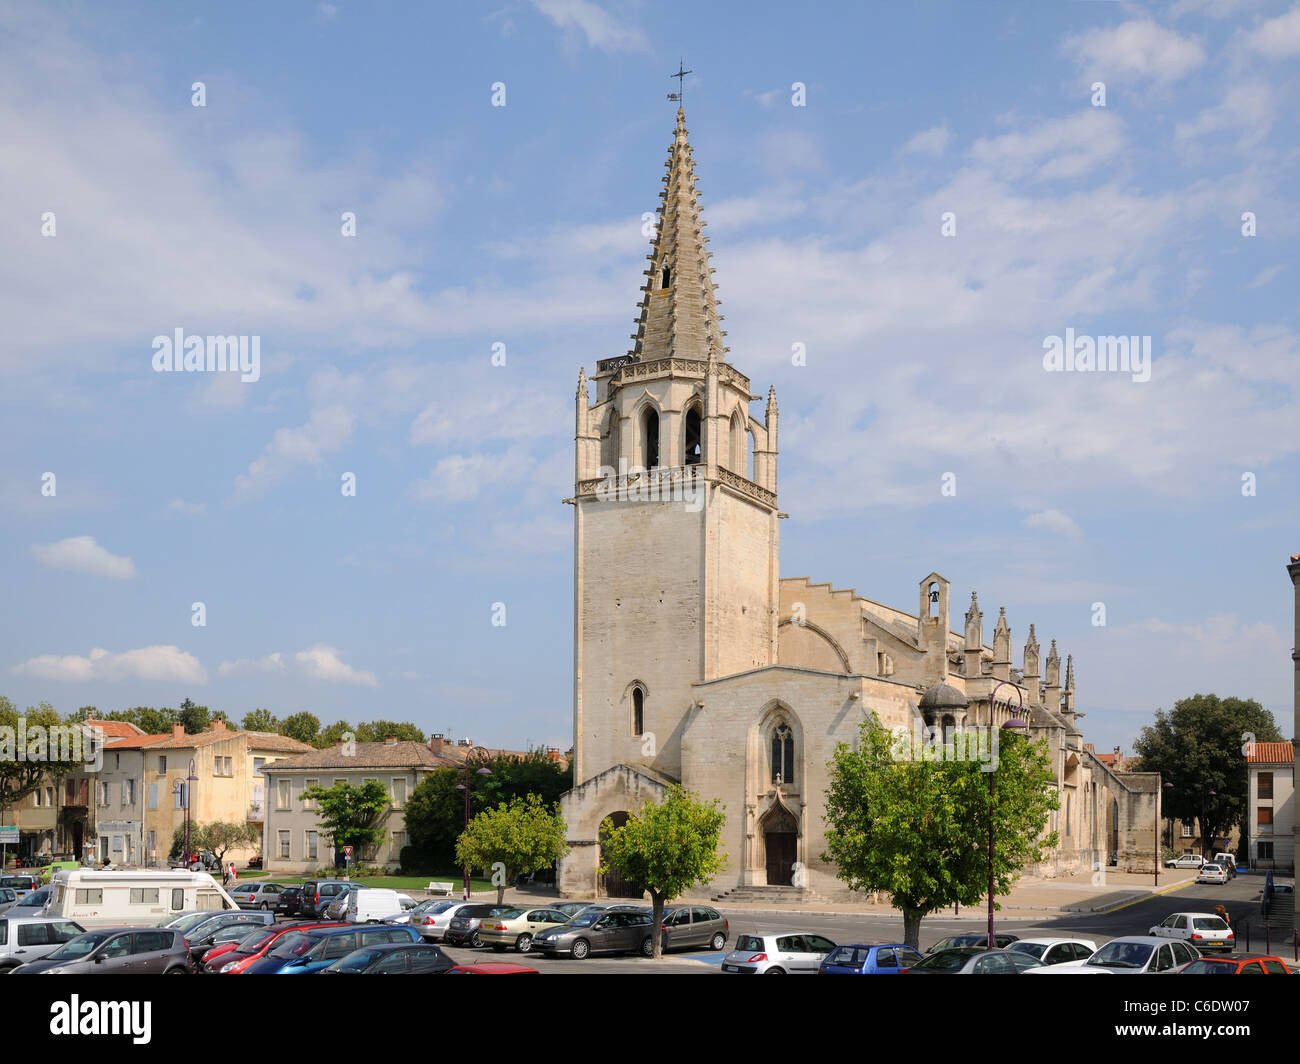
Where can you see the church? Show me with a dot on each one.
(697, 662)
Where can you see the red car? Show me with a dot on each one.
(235, 962)
(1249, 965)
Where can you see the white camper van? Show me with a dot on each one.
(132, 898)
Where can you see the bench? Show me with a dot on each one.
(440, 888)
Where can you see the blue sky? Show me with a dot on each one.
(521, 225)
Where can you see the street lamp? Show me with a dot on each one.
(1204, 836)
(1156, 814)
(465, 787)
(1009, 726)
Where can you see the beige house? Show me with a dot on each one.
(696, 662)
(1270, 770)
(294, 838)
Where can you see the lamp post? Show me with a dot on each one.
(466, 788)
(1009, 726)
(1156, 814)
(1204, 836)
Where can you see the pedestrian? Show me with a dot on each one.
(225, 877)
(233, 874)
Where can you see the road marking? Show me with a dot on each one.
(1144, 897)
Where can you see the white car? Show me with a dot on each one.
(1134, 955)
(1187, 860)
(778, 953)
(1053, 951)
(1205, 931)
(1212, 873)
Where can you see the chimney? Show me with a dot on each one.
(437, 743)
(178, 731)
(218, 725)
(390, 740)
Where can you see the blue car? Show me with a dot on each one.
(889, 959)
(316, 949)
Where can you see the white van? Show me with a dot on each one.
(372, 904)
(140, 897)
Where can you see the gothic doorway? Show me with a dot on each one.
(614, 884)
(780, 841)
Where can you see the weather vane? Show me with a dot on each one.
(680, 94)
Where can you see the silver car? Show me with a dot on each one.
(117, 951)
(29, 938)
(777, 953)
(254, 895)
(1136, 955)
(432, 923)
(7, 897)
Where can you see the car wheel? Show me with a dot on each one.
(474, 941)
(647, 947)
(524, 943)
(775, 971)
(177, 971)
(719, 940)
(580, 949)
(266, 906)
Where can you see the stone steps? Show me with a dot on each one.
(775, 895)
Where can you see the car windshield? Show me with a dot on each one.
(78, 947)
(585, 919)
(1034, 949)
(510, 914)
(292, 946)
(358, 961)
(1121, 955)
(1207, 967)
(193, 920)
(1209, 923)
(947, 960)
(257, 940)
(746, 943)
(35, 900)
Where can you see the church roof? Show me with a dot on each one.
(680, 318)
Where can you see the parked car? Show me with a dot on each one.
(1229, 861)
(777, 953)
(255, 895)
(1212, 873)
(289, 901)
(313, 949)
(1135, 955)
(21, 884)
(1186, 860)
(32, 903)
(979, 938)
(1251, 964)
(255, 862)
(1055, 950)
(318, 893)
(117, 951)
(465, 926)
(394, 958)
(572, 908)
(183, 921)
(969, 960)
(371, 905)
(227, 941)
(254, 949)
(518, 927)
(696, 926)
(600, 932)
(29, 938)
(857, 959)
(432, 924)
(7, 897)
(337, 906)
(203, 936)
(1205, 931)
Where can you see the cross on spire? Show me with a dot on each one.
(680, 94)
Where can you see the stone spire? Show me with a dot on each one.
(1067, 700)
(1002, 647)
(1033, 678)
(1052, 686)
(587, 438)
(974, 638)
(679, 312)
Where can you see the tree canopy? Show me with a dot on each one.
(521, 836)
(350, 815)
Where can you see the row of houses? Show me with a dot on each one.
(128, 808)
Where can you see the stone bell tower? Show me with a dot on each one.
(675, 514)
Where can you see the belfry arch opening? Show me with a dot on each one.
(650, 438)
(694, 450)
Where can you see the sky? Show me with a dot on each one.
(921, 196)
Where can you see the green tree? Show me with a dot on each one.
(196, 719)
(667, 847)
(333, 734)
(351, 815)
(435, 817)
(515, 838)
(918, 828)
(230, 835)
(28, 759)
(376, 731)
(149, 720)
(1199, 746)
(260, 720)
(301, 726)
(514, 776)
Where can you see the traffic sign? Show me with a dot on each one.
(347, 851)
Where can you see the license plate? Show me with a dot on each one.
(730, 968)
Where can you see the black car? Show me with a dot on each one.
(399, 958)
(464, 926)
(289, 903)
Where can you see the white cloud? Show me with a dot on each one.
(327, 431)
(1056, 522)
(157, 663)
(931, 141)
(187, 509)
(1245, 109)
(246, 666)
(1265, 277)
(460, 477)
(81, 554)
(1139, 49)
(1059, 148)
(601, 29)
(1277, 38)
(322, 662)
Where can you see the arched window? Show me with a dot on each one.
(667, 277)
(738, 462)
(783, 755)
(638, 711)
(650, 436)
(693, 449)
